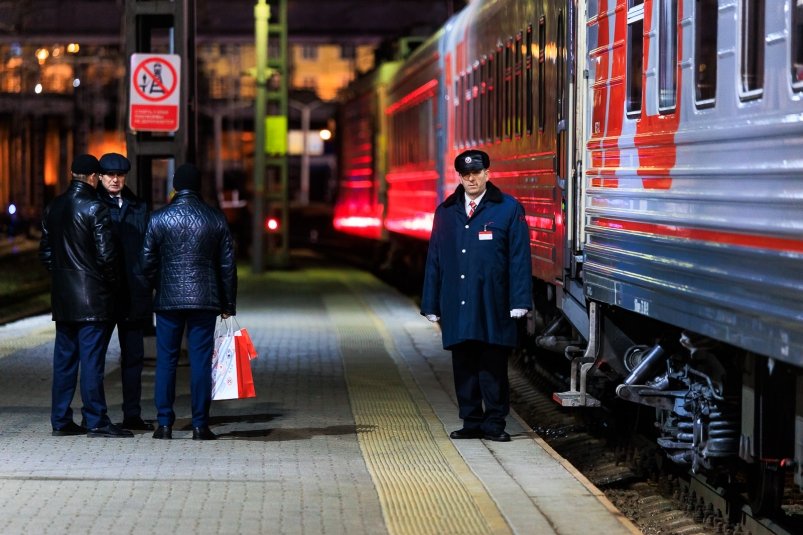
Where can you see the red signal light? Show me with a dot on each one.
(271, 224)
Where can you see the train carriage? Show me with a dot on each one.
(655, 146)
(362, 196)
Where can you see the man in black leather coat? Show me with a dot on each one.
(130, 215)
(188, 256)
(79, 251)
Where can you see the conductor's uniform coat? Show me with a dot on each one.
(478, 269)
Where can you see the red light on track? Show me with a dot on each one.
(271, 224)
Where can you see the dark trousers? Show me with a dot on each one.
(480, 376)
(132, 354)
(79, 345)
(200, 325)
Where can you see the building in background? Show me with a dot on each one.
(63, 84)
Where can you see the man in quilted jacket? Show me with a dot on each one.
(188, 257)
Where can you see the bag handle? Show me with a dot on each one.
(220, 325)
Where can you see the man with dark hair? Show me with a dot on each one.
(79, 251)
(478, 281)
(130, 216)
(188, 256)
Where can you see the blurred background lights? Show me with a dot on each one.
(37, 88)
(76, 82)
(12, 209)
(73, 48)
(326, 134)
(42, 54)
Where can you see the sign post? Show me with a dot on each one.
(154, 93)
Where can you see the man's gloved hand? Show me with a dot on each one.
(518, 312)
(432, 317)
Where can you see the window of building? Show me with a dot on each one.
(706, 22)
(309, 52)
(348, 51)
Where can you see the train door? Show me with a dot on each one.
(578, 117)
(563, 134)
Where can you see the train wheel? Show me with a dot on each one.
(765, 488)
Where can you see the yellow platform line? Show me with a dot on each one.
(424, 485)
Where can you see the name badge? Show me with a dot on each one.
(486, 235)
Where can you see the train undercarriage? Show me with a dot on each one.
(719, 411)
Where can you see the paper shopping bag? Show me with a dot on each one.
(224, 365)
(247, 344)
(245, 379)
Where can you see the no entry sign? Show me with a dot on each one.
(153, 92)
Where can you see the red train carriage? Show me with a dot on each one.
(655, 145)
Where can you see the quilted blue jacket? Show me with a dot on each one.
(188, 257)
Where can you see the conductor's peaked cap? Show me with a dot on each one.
(470, 161)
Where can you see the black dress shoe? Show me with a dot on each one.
(502, 436)
(136, 423)
(69, 430)
(203, 433)
(164, 432)
(109, 431)
(465, 433)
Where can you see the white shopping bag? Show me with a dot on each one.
(224, 364)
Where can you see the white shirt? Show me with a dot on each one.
(476, 201)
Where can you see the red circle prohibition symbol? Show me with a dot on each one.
(166, 91)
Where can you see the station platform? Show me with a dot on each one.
(348, 434)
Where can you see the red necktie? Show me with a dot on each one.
(472, 205)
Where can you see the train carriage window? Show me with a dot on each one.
(706, 22)
(752, 48)
(469, 99)
(560, 68)
(517, 81)
(508, 92)
(499, 89)
(528, 81)
(458, 91)
(484, 99)
(476, 98)
(667, 52)
(635, 56)
(541, 73)
(797, 45)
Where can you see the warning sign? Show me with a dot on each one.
(153, 92)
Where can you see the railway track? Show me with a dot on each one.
(24, 283)
(631, 470)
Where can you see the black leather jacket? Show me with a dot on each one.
(79, 250)
(188, 256)
(134, 299)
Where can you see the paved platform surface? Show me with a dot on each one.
(348, 434)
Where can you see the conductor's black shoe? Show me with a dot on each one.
(163, 432)
(465, 433)
(109, 431)
(69, 430)
(203, 433)
(137, 424)
(502, 436)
